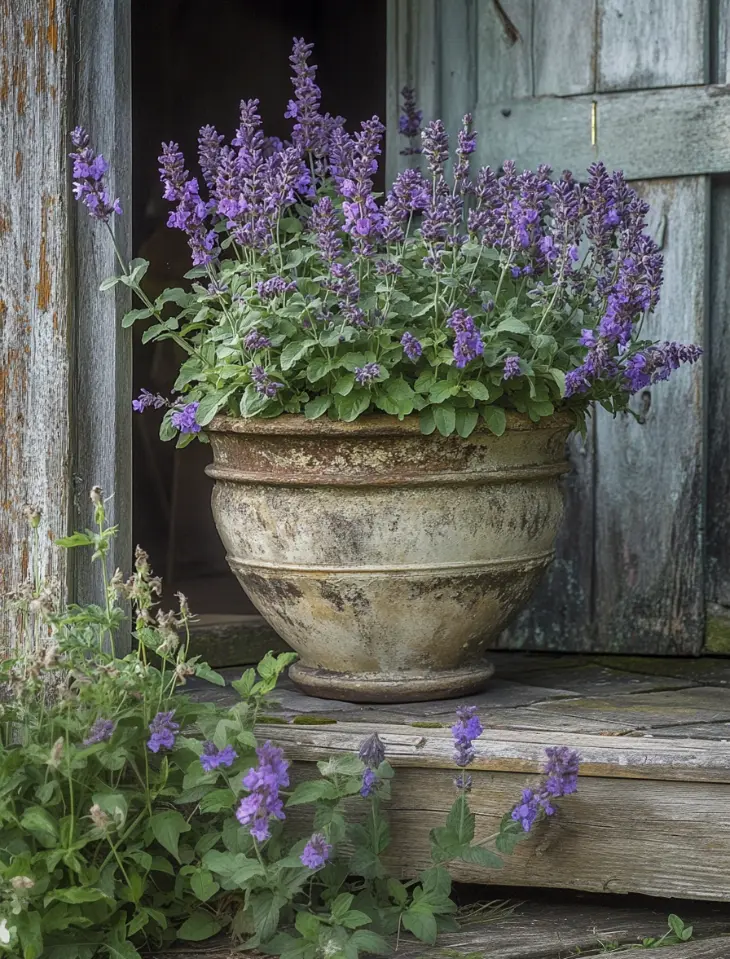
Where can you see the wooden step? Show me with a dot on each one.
(539, 930)
(652, 814)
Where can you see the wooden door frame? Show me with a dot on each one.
(65, 362)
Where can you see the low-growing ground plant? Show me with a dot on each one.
(132, 816)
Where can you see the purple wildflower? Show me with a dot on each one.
(435, 148)
(408, 195)
(316, 852)
(369, 783)
(264, 784)
(309, 131)
(561, 779)
(88, 171)
(409, 123)
(411, 346)
(190, 216)
(163, 729)
(146, 400)
(363, 217)
(275, 286)
(468, 342)
(209, 154)
(467, 728)
(324, 225)
(466, 145)
(100, 731)
(213, 757)
(255, 340)
(656, 363)
(366, 374)
(183, 418)
(263, 383)
(511, 367)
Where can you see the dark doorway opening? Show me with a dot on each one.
(192, 63)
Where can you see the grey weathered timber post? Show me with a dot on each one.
(630, 571)
(64, 366)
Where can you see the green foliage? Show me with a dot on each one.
(676, 933)
(109, 847)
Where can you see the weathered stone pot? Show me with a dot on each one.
(387, 559)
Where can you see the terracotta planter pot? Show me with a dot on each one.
(387, 559)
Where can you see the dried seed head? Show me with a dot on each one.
(51, 657)
(22, 882)
(97, 495)
(99, 817)
(54, 760)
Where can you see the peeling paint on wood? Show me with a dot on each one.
(34, 284)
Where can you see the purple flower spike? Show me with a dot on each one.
(163, 729)
(527, 810)
(561, 770)
(467, 728)
(146, 400)
(411, 346)
(468, 343)
(316, 852)
(88, 172)
(263, 383)
(213, 757)
(511, 367)
(100, 732)
(409, 123)
(364, 375)
(370, 783)
(183, 419)
(264, 784)
(255, 340)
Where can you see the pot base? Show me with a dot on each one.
(404, 687)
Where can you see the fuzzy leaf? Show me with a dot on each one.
(317, 406)
(445, 419)
(167, 827)
(495, 418)
(293, 352)
(199, 926)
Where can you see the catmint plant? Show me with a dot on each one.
(462, 294)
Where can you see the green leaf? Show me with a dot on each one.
(397, 891)
(199, 926)
(425, 382)
(108, 283)
(466, 421)
(235, 868)
(266, 907)
(216, 801)
(512, 325)
(113, 804)
(436, 885)
(290, 224)
(480, 856)
(317, 406)
(167, 827)
(133, 315)
(495, 418)
(344, 384)
(318, 367)
(445, 419)
(559, 378)
(204, 671)
(354, 919)
(312, 791)
(351, 361)
(75, 539)
(421, 922)
(461, 820)
(174, 294)
(210, 404)
(442, 391)
(341, 905)
(427, 421)
(203, 884)
(370, 942)
(294, 351)
(307, 925)
(76, 894)
(476, 389)
(353, 405)
(41, 824)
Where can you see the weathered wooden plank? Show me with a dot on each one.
(564, 47)
(102, 366)
(647, 134)
(651, 43)
(618, 836)
(35, 293)
(505, 32)
(720, 41)
(716, 362)
(649, 486)
(458, 51)
(516, 750)
(535, 930)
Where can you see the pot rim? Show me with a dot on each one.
(374, 424)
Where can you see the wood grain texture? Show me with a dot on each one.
(538, 930)
(649, 487)
(35, 293)
(102, 367)
(564, 47)
(505, 34)
(647, 134)
(718, 399)
(651, 43)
